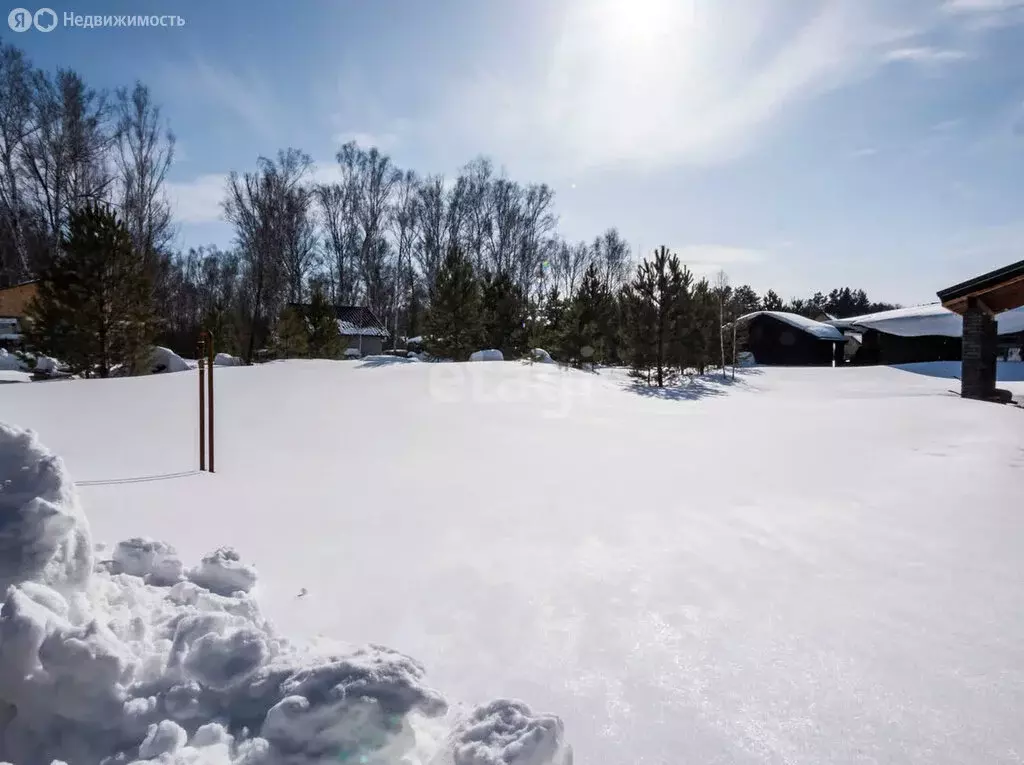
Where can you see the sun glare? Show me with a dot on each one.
(641, 21)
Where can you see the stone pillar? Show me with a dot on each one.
(978, 375)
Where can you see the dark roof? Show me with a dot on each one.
(358, 316)
(983, 282)
(19, 284)
(353, 320)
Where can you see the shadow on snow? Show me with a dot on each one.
(693, 388)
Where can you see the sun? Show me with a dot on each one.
(633, 22)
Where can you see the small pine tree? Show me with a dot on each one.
(504, 314)
(656, 308)
(93, 309)
(453, 319)
(549, 333)
(291, 340)
(587, 320)
(324, 335)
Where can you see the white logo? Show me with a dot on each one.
(20, 20)
(45, 19)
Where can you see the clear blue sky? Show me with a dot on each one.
(799, 144)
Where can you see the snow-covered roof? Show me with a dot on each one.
(923, 320)
(810, 326)
(915, 321)
(350, 329)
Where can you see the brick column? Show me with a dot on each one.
(978, 375)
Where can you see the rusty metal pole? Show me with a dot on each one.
(201, 351)
(210, 358)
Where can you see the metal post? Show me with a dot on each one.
(210, 359)
(202, 405)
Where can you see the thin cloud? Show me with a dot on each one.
(982, 15)
(704, 256)
(198, 200)
(927, 55)
(246, 96)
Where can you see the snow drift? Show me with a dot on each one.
(136, 658)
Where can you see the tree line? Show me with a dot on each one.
(467, 262)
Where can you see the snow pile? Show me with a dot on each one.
(46, 365)
(541, 356)
(818, 329)
(352, 353)
(166, 360)
(136, 659)
(488, 355)
(44, 536)
(226, 360)
(10, 363)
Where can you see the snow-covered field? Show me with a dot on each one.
(803, 566)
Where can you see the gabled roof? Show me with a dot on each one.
(353, 320)
(810, 326)
(359, 320)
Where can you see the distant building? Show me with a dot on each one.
(14, 301)
(917, 334)
(362, 332)
(777, 338)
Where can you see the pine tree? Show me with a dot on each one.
(772, 302)
(656, 302)
(587, 320)
(704, 335)
(324, 335)
(291, 340)
(93, 310)
(504, 314)
(453, 319)
(550, 331)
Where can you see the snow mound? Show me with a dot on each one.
(148, 559)
(10, 363)
(352, 353)
(541, 356)
(226, 360)
(133, 661)
(506, 732)
(488, 355)
(44, 536)
(166, 360)
(47, 365)
(224, 573)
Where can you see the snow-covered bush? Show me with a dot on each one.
(10, 362)
(487, 355)
(165, 360)
(138, 659)
(227, 360)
